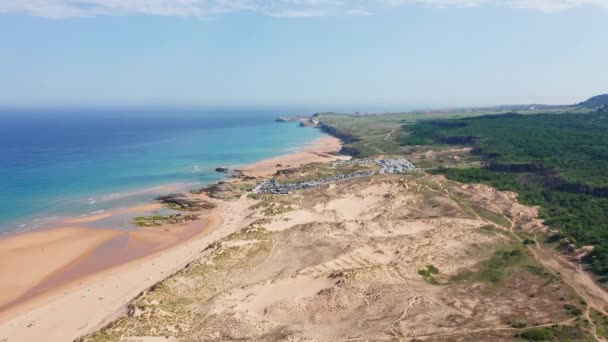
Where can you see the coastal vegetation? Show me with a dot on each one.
(368, 135)
(537, 334)
(161, 220)
(557, 162)
(502, 264)
(555, 158)
(428, 273)
(601, 322)
(314, 171)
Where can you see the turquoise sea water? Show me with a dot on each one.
(58, 164)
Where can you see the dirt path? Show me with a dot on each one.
(374, 147)
(577, 278)
(388, 135)
(572, 275)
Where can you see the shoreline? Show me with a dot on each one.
(320, 150)
(79, 270)
(36, 223)
(326, 146)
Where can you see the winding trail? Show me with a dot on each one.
(578, 279)
(572, 274)
(388, 135)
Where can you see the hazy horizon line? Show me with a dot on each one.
(279, 108)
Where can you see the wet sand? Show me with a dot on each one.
(33, 264)
(27, 259)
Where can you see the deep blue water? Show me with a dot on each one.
(54, 163)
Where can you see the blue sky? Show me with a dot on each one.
(313, 54)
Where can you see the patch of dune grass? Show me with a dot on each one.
(601, 322)
(169, 307)
(543, 273)
(492, 216)
(314, 171)
(428, 273)
(160, 220)
(271, 205)
(492, 230)
(573, 310)
(502, 264)
(250, 234)
(537, 334)
(556, 333)
(489, 229)
(466, 207)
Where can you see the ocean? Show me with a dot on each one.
(72, 163)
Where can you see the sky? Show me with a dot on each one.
(358, 55)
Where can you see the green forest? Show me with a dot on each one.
(556, 161)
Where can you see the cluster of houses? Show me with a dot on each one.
(396, 165)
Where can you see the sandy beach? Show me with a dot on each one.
(321, 150)
(42, 254)
(61, 283)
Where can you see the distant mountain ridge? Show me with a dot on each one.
(596, 101)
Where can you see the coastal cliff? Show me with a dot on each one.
(290, 118)
(305, 121)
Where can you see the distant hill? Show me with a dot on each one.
(596, 101)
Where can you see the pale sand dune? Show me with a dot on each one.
(255, 299)
(325, 264)
(321, 150)
(293, 217)
(339, 263)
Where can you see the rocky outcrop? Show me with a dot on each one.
(182, 202)
(220, 190)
